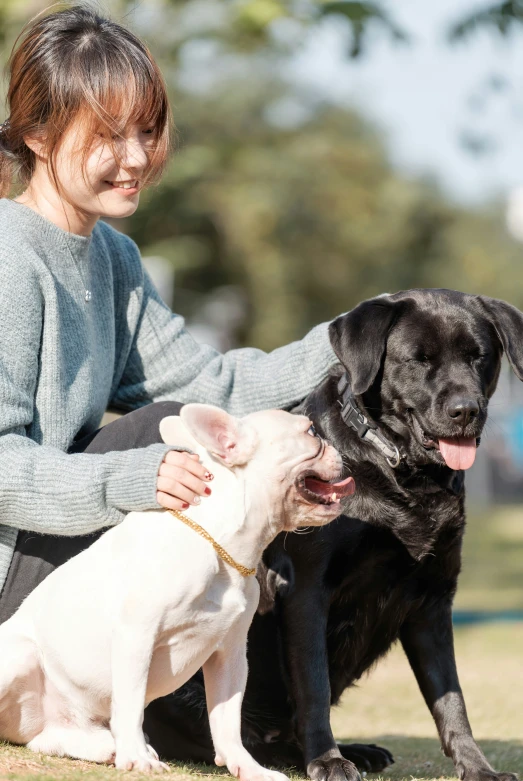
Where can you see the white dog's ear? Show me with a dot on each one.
(174, 432)
(228, 438)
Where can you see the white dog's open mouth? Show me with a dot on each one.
(318, 491)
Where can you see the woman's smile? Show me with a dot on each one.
(129, 187)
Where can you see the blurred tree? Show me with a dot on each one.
(274, 190)
(308, 220)
(504, 17)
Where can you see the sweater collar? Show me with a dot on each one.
(77, 245)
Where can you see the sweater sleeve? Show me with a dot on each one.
(43, 489)
(166, 363)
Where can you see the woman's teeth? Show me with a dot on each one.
(125, 185)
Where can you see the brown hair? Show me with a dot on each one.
(76, 65)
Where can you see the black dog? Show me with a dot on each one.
(422, 365)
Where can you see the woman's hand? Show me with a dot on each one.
(181, 480)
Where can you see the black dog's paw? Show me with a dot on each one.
(333, 769)
(368, 757)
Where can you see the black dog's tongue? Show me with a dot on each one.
(320, 488)
(458, 453)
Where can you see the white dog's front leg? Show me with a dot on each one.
(225, 674)
(131, 652)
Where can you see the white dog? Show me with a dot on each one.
(134, 616)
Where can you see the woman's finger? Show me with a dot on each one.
(188, 461)
(180, 490)
(170, 502)
(179, 476)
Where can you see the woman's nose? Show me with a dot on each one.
(134, 154)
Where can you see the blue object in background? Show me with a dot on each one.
(513, 435)
(469, 617)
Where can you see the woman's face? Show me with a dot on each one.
(108, 188)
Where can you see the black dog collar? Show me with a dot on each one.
(366, 429)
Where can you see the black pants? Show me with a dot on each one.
(36, 555)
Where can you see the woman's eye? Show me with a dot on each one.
(312, 431)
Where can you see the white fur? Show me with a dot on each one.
(134, 616)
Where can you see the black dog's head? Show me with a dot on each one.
(425, 364)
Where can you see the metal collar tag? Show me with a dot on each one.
(366, 429)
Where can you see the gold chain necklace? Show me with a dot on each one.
(222, 553)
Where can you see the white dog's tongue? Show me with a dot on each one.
(343, 488)
(458, 453)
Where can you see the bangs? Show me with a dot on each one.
(127, 96)
(116, 88)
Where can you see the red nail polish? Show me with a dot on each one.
(208, 476)
(185, 505)
(208, 490)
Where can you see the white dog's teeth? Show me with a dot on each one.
(334, 497)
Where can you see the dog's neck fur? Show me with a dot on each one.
(239, 519)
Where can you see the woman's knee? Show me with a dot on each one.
(138, 428)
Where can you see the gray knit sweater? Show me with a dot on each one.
(63, 361)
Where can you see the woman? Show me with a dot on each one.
(82, 325)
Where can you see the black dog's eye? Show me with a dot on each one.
(422, 358)
(477, 360)
(312, 431)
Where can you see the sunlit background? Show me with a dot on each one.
(331, 151)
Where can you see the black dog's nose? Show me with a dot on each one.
(462, 410)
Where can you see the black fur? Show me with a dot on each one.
(423, 364)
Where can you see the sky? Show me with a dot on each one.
(428, 95)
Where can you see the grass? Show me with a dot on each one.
(492, 576)
(387, 708)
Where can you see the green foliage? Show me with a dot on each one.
(249, 21)
(309, 220)
(502, 16)
(360, 14)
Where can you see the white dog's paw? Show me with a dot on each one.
(146, 761)
(254, 772)
(270, 775)
(95, 745)
(153, 753)
(143, 764)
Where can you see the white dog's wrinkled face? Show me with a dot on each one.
(301, 470)
(299, 474)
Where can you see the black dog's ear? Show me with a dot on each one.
(508, 322)
(359, 337)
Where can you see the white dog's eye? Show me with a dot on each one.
(312, 431)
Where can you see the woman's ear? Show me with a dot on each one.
(229, 439)
(37, 144)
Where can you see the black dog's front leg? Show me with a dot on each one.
(305, 612)
(429, 644)
(304, 626)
